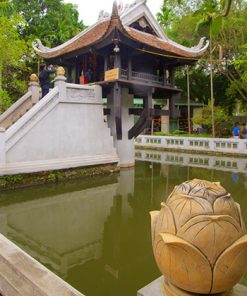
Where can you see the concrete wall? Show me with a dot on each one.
(64, 129)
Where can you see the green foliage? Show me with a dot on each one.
(12, 58)
(5, 100)
(15, 179)
(205, 18)
(199, 83)
(21, 22)
(52, 21)
(5, 8)
(223, 123)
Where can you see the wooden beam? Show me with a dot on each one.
(145, 118)
(155, 112)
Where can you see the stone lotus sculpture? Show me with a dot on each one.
(199, 239)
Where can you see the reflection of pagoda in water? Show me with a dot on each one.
(128, 54)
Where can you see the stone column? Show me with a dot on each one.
(125, 147)
(60, 83)
(165, 127)
(2, 146)
(33, 86)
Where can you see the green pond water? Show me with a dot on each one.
(95, 233)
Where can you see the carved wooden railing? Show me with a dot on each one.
(124, 73)
(147, 77)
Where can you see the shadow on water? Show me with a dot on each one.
(95, 233)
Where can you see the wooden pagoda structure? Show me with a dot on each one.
(127, 51)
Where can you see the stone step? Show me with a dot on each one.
(21, 275)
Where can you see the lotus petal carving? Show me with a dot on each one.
(199, 239)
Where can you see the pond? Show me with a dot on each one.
(95, 233)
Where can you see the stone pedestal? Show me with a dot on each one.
(34, 88)
(165, 128)
(156, 288)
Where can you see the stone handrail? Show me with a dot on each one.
(17, 130)
(20, 274)
(25, 103)
(16, 110)
(231, 146)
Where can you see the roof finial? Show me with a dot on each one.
(115, 8)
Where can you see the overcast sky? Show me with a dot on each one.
(89, 10)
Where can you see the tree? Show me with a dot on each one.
(52, 21)
(205, 18)
(223, 123)
(12, 57)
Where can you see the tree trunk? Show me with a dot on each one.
(227, 8)
(212, 86)
(188, 92)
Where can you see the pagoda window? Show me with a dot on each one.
(143, 25)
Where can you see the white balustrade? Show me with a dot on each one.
(193, 160)
(232, 146)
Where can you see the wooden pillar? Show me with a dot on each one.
(174, 112)
(117, 61)
(164, 75)
(129, 67)
(117, 110)
(105, 63)
(148, 104)
(172, 76)
(69, 76)
(77, 71)
(146, 116)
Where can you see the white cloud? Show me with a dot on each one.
(89, 10)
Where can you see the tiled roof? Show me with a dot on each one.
(101, 30)
(156, 42)
(93, 35)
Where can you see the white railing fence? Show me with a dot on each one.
(232, 146)
(222, 163)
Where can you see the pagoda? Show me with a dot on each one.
(129, 56)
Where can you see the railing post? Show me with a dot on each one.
(33, 86)
(2, 146)
(60, 83)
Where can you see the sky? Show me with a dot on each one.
(89, 10)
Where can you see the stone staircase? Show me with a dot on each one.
(22, 106)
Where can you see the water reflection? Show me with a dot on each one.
(95, 233)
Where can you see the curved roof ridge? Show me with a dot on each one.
(195, 50)
(44, 49)
(168, 45)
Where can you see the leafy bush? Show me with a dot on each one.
(223, 123)
(5, 101)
